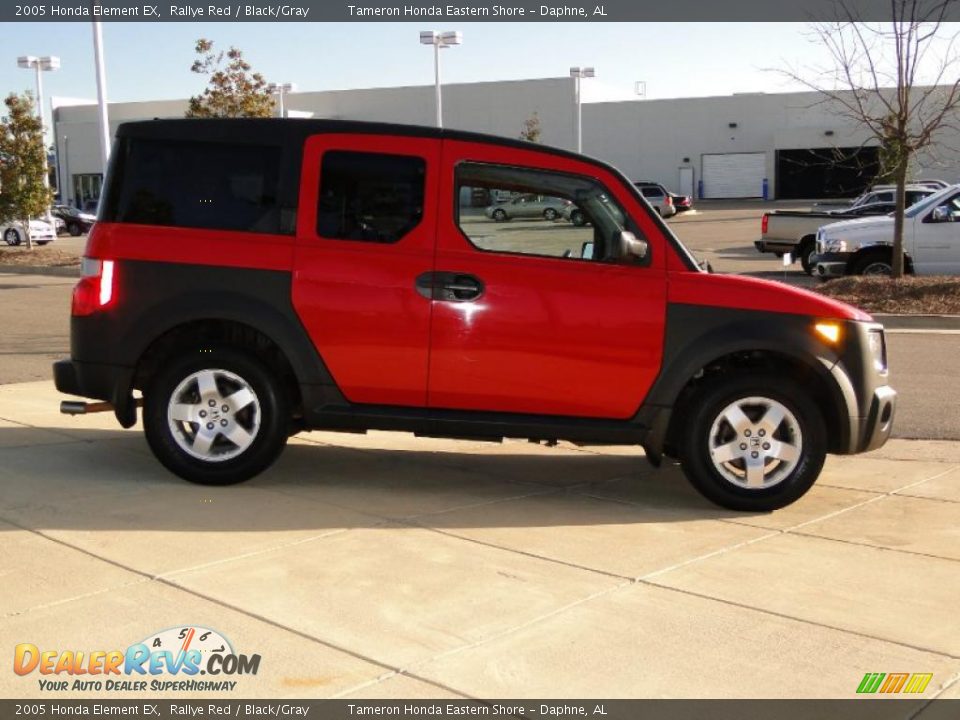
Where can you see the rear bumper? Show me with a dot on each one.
(774, 246)
(111, 383)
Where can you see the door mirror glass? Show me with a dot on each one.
(942, 214)
(586, 252)
(631, 246)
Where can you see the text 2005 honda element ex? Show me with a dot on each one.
(256, 278)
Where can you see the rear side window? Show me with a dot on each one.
(369, 196)
(651, 192)
(195, 185)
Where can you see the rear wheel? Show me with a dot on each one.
(216, 417)
(753, 442)
(499, 215)
(74, 229)
(807, 249)
(11, 237)
(577, 218)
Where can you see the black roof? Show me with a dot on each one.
(284, 131)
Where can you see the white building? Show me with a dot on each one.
(714, 147)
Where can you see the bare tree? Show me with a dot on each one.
(875, 80)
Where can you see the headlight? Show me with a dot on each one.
(834, 245)
(878, 349)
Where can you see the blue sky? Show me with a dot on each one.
(148, 61)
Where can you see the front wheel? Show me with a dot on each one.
(550, 214)
(11, 237)
(753, 442)
(578, 218)
(500, 215)
(74, 229)
(216, 417)
(873, 263)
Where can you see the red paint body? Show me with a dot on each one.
(548, 336)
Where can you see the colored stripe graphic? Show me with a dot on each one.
(894, 682)
(870, 682)
(918, 682)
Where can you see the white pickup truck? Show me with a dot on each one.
(931, 241)
(795, 231)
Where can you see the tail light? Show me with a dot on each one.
(764, 223)
(668, 200)
(95, 291)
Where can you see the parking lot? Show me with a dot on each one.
(388, 566)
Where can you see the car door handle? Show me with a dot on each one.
(449, 286)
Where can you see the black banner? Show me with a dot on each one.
(461, 11)
(874, 708)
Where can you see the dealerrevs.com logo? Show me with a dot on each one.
(170, 660)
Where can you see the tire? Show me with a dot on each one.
(550, 214)
(11, 237)
(577, 218)
(783, 473)
(174, 436)
(500, 215)
(873, 263)
(74, 229)
(806, 250)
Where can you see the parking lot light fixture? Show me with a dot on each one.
(578, 73)
(41, 65)
(439, 41)
(280, 90)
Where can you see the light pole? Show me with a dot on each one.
(577, 74)
(280, 89)
(439, 42)
(42, 64)
(101, 97)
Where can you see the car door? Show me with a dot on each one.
(936, 248)
(365, 232)
(542, 318)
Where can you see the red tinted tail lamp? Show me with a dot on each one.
(763, 223)
(669, 200)
(95, 291)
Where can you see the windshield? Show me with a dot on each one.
(930, 202)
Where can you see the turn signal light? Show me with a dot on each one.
(829, 331)
(95, 291)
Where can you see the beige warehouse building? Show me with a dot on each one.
(782, 145)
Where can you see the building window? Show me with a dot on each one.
(86, 190)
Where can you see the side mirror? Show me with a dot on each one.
(942, 214)
(586, 251)
(632, 246)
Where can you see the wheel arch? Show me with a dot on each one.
(703, 342)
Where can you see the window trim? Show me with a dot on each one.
(617, 262)
(382, 243)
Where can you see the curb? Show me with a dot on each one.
(54, 271)
(918, 322)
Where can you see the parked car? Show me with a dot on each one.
(41, 232)
(354, 295)
(931, 241)
(795, 231)
(527, 206)
(659, 197)
(74, 222)
(681, 203)
(884, 193)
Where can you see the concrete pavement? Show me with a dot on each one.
(386, 566)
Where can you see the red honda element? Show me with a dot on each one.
(256, 278)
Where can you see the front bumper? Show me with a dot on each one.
(111, 383)
(874, 429)
(831, 265)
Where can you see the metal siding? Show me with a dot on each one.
(734, 175)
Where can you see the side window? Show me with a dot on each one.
(369, 196)
(652, 193)
(538, 212)
(205, 185)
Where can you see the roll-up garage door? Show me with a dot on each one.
(734, 175)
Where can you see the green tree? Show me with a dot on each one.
(23, 164)
(531, 128)
(232, 89)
